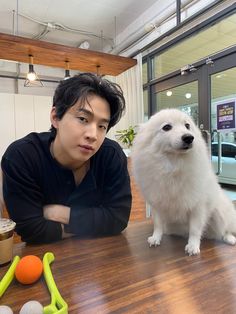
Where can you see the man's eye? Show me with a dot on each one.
(82, 119)
(187, 125)
(167, 127)
(104, 127)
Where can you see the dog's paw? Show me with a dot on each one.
(229, 238)
(192, 249)
(154, 241)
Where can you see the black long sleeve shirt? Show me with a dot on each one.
(100, 204)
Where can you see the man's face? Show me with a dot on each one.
(81, 131)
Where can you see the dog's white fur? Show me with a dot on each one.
(178, 182)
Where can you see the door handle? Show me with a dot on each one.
(207, 137)
(219, 164)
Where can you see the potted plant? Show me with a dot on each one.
(126, 138)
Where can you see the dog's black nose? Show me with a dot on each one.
(187, 138)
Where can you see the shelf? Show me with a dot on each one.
(17, 48)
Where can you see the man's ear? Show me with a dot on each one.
(53, 118)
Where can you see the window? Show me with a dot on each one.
(144, 73)
(209, 41)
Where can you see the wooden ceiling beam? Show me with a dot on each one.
(18, 49)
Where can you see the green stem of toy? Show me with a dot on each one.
(10, 274)
(58, 305)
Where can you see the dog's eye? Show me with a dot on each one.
(167, 127)
(187, 125)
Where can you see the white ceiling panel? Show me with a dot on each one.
(100, 17)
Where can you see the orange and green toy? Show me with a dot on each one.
(29, 269)
(33, 265)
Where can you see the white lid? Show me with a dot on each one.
(6, 225)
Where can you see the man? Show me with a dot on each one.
(71, 180)
(1, 196)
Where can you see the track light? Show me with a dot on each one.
(84, 45)
(32, 79)
(169, 93)
(67, 70)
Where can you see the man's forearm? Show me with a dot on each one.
(55, 212)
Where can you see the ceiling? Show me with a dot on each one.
(90, 25)
(99, 23)
(71, 22)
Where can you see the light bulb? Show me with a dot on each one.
(84, 45)
(31, 76)
(188, 95)
(169, 93)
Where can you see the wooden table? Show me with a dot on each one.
(122, 274)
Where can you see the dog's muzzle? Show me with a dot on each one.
(187, 140)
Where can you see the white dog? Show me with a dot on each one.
(172, 167)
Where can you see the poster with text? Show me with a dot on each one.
(226, 116)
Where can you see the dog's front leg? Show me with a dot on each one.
(156, 237)
(197, 221)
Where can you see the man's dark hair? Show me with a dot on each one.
(80, 87)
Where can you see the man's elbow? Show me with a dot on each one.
(120, 226)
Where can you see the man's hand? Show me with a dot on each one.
(59, 213)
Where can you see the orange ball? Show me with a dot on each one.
(29, 269)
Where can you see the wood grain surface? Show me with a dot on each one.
(122, 274)
(18, 48)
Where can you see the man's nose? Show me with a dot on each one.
(91, 132)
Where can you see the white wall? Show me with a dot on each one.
(22, 114)
(11, 86)
(130, 82)
(7, 125)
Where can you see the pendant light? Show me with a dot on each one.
(67, 70)
(32, 79)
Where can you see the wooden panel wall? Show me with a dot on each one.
(138, 210)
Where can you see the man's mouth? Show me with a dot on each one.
(87, 147)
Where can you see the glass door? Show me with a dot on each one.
(179, 91)
(199, 93)
(183, 97)
(223, 124)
